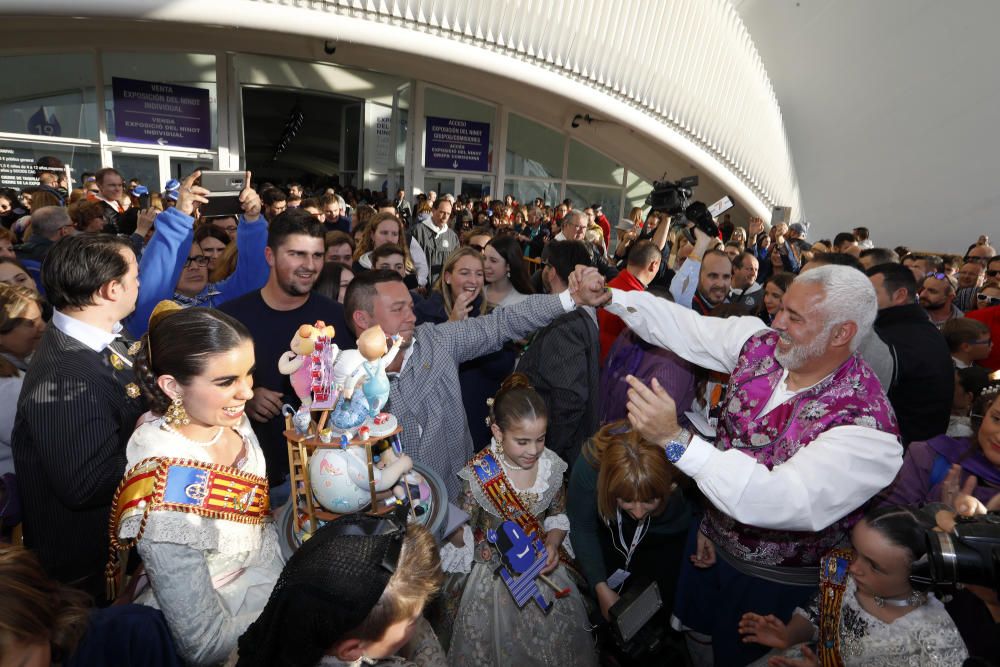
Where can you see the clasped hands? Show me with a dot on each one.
(587, 288)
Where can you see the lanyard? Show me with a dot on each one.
(640, 532)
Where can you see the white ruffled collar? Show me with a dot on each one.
(151, 439)
(542, 475)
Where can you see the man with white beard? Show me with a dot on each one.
(806, 437)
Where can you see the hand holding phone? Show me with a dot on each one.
(189, 193)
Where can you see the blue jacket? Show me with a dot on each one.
(163, 261)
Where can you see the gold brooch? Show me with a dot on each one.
(132, 389)
(134, 348)
(116, 362)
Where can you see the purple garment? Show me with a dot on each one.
(918, 482)
(630, 355)
(851, 396)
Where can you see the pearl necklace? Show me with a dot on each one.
(198, 443)
(497, 449)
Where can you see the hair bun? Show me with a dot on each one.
(163, 309)
(515, 381)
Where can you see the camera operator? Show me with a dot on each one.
(628, 519)
(974, 608)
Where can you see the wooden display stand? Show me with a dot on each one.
(300, 448)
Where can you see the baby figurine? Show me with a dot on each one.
(298, 361)
(377, 354)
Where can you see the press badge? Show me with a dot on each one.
(617, 579)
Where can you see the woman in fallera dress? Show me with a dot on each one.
(195, 495)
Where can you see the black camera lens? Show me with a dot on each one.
(969, 556)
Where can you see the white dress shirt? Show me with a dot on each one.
(94, 338)
(821, 483)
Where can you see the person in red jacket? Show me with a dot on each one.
(602, 220)
(642, 266)
(990, 316)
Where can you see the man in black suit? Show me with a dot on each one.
(77, 408)
(563, 359)
(79, 404)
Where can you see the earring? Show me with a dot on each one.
(176, 414)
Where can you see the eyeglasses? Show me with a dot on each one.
(988, 341)
(200, 260)
(480, 248)
(993, 274)
(992, 300)
(229, 229)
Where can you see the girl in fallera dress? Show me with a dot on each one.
(489, 628)
(867, 613)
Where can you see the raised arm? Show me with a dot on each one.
(710, 342)
(251, 265)
(161, 265)
(475, 336)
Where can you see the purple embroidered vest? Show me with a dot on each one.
(852, 395)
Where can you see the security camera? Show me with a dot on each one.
(576, 120)
(329, 47)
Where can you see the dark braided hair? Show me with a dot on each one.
(182, 341)
(516, 401)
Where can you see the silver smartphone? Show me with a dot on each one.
(224, 193)
(721, 206)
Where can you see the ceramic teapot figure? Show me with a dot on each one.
(339, 478)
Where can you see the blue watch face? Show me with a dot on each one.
(675, 451)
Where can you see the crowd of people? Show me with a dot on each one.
(761, 429)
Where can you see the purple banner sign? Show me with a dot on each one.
(166, 114)
(453, 143)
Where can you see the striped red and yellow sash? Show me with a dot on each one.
(180, 485)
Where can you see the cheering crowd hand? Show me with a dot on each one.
(189, 193)
(145, 221)
(250, 201)
(463, 306)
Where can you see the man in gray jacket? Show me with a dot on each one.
(436, 238)
(426, 396)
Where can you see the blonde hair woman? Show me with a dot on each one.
(626, 515)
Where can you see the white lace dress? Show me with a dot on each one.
(210, 577)
(489, 628)
(925, 636)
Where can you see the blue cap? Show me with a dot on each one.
(140, 190)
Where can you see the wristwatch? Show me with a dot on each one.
(677, 445)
